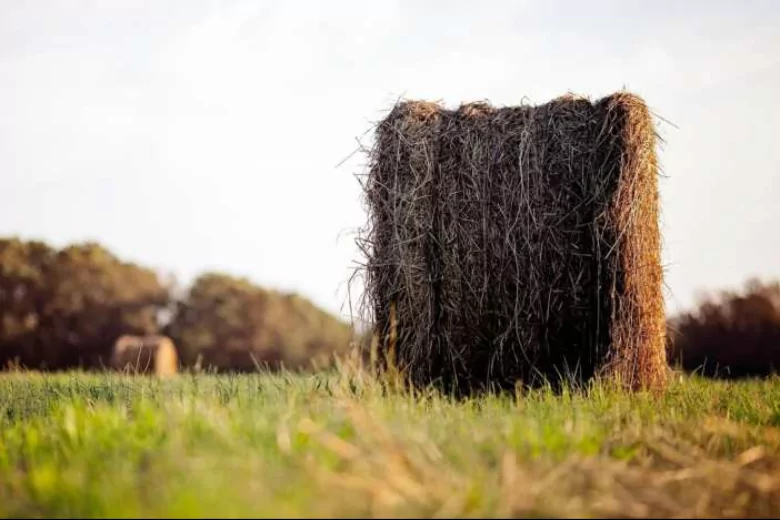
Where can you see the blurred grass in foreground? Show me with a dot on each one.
(342, 444)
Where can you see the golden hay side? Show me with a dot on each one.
(145, 355)
(638, 354)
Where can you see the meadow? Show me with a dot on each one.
(341, 444)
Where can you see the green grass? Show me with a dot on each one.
(335, 445)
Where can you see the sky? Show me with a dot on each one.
(193, 135)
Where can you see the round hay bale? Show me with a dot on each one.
(145, 355)
(517, 244)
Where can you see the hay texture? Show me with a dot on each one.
(145, 355)
(517, 244)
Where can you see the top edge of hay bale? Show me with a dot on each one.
(424, 110)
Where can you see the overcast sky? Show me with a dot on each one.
(193, 135)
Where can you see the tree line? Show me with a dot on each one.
(65, 308)
(730, 334)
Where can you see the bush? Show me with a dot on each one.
(232, 324)
(730, 335)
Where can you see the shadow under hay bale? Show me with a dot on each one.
(517, 244)
(145, 355)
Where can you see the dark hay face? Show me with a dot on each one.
(517, 244)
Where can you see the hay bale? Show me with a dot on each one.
(517, 244)
(145, 355)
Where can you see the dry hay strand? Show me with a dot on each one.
(517, 243)
(145, 355)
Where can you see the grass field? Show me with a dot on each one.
(336, 445)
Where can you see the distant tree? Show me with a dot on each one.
(23, 268)
(736, 334)
(233, 324)
(66, 308)
(92, 298)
